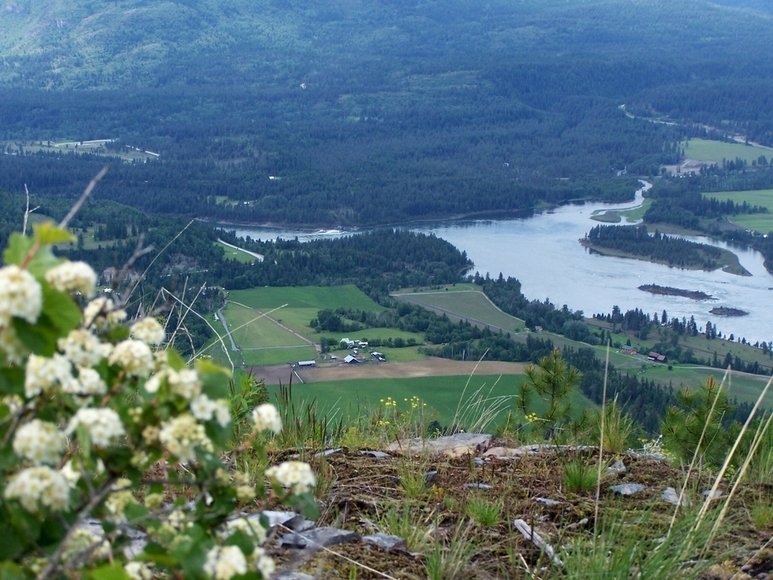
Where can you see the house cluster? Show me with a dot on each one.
(355, 357)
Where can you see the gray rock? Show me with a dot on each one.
(328, 452)
(276, 517)
(431, 476)
(547, 502)
(317, 538)
(627, 489)
(513, 452)
(293, 576)
(617, 468)
(376, 454)
(386, 542)
(717, 494)
(483, 486)
(450, 445)
(670, 495)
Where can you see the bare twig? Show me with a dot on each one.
(27, 211)
(157, 256)
(84, 196)
(53, 560)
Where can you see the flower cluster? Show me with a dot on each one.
(389, 402)
(182, 436)
(37, 488)
(294, 475)
(39, 442)
(73, 277)
(104, 426)
(94, 415)
(267, 418)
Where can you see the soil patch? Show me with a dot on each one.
(425, 368)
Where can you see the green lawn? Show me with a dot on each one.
(468, 303)
(615, 216)
(233, 254)
(717, 151)
(761, 222)
(359, 397)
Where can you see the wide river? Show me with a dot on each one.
(543, 252)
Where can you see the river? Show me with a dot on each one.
(543, 252)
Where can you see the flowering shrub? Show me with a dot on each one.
(99, 424)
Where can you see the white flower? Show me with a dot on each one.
(40, 442)
(295, 475)
(102, 313)
(184, 383)
(204, 409)
(13, 402)
(89, 383)
(38, 488)
(134, 357)
(118, 501)
(11, 345)
(20, 295)
(83, 541)
(250, 527)
(148, 330)
(72, 277)
(225, 562)
(262, 563)
(138, 571)
(182, 435)
(267, 418)
(82, 348)
(70, 473)
(103, 425)
(43, 374)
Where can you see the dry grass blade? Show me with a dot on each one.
(601, 437)
(82, 199)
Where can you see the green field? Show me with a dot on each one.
(718, 151)
(360, 397)
(761, 222)
(299, 304)
(263, 340)
(467, 302)
(745, 388)
(233, 254)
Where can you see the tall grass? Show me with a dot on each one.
(303, 425)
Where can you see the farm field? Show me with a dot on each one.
(361, 397)
(741, 386)
(717, 151)
(464, 301)
(760, 222)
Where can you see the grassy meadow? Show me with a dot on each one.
(718, 151)
(444, 396)
(760, 222)
(464, 301)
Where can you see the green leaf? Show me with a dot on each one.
(18, 248)
(49, 233)
(9, 570)
(60, 309)
(175, 361)
(39, 338)
(135, 512)
(26, 525)
(42, 262)
(12, 381)
(109, 572)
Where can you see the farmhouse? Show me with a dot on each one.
(307, 363)
(378, 356)
(657, 357)
(351, 360)
(347, 343)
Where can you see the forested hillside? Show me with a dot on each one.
(357, 112)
